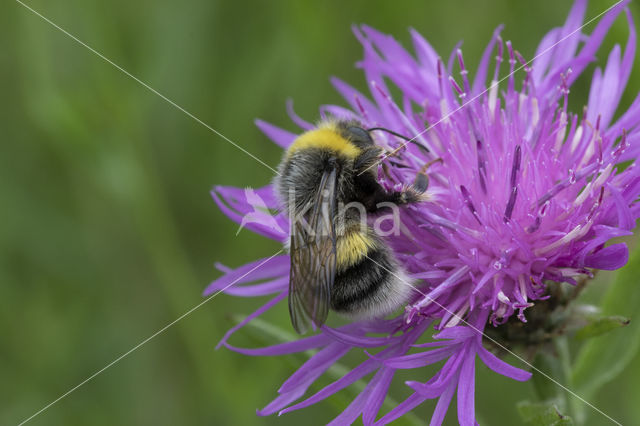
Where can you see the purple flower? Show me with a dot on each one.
(526, 196)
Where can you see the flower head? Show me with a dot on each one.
(525, 194)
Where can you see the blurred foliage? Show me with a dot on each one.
(107, 231)
(604, 358)
(538, 414)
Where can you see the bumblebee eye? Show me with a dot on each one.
(360, 136)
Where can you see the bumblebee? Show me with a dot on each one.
(337, 261)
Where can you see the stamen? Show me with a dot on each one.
(544, 209)
(481, 165)
(461, 61)
(379, 89)
(516, 165)
(564, 87)
(496, 71)
(511, 204)
(457, 88)
(536, 225)
(597, 204)
(514, 180)
(463, 73)
(512, 64)
(363, 110)
(599, 140)
(622, 146)
(493, 97)
(528, 81)
(440, 84)
(469, 203)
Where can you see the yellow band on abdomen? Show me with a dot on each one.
(352, 248)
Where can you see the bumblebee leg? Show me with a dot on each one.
(372, 194)
(421, 182)
(385, 169)
(406, 196)
(424, 168)
(367, 160)
(393, 153)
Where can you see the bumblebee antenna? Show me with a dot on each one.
(390, 131)
(399, 135)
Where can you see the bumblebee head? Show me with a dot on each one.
(361, 136)
(358, 136)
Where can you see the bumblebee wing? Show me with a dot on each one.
(313, 259)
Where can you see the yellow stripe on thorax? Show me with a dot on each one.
(352, 247)
(326, 137)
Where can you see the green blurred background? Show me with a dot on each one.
(107, 229)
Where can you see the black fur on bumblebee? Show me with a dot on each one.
(328, 184)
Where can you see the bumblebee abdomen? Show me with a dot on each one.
(353, 246)
(371, 287)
